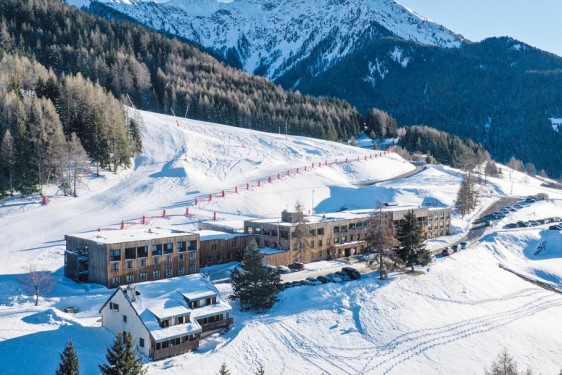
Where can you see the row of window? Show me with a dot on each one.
(436, 234)
(155, 261)
(268, 232)
(158, 249)
(155, 275)
(443, 215)
(437, 225)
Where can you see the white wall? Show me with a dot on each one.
(113, 321)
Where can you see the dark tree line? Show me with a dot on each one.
(49, 126)
(163, 74)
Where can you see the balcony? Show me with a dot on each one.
(175, 350)
(225, 323)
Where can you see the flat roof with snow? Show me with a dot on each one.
(209, 235)
(127, 235)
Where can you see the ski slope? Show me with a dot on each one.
(454, 318)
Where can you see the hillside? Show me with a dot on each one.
(459, 314)
(386, 57)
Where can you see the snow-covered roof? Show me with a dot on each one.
(224, 225)
(198, 294)
(269, 251)
(208, 235)
(127, 235)
(165, 299)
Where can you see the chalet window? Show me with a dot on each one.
(115, 266)
(156, 260)
(113, 306)
(143, 262)
(114, 255)
(165, 323)
(129, 278)
(169, 259)
(143, 276)
(129, 264)
(192, 268)
(156, 274)
(180, 257)
(130, 253)
(141, 342)
(168, 272)
(336, 229)
(320, 231)
(214, 247)
(179, 320)
(142, 252)
(192, 255)
(192, 246)
(180, 270)
(124, 318)
(181, 247)
(157, 249)
(168, 248)
(208, 301)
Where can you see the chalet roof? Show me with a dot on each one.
(208, 235)
(198, 294)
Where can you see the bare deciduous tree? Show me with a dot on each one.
(36, 282)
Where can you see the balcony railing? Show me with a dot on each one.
(217, 325)
(175, 350)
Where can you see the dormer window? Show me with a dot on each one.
(165, 323)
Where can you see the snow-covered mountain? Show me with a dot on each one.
(271, 37)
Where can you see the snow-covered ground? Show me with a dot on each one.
(454, 318)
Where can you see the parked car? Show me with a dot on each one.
(287, 285)
(531, 200)
(352, 273)
(511, 225)
(533, 223)
(455, 247)
(313, 281)
(447, 251)
(488, 223)
(343, 276)
(296, 266)
(283, 269)
(464, 244)
(518, 206)
(335, 278)
(554, 227)
(323, 279)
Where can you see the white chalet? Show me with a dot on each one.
(167, 317)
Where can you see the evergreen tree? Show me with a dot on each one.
(531, 170)
(223, 370)
(411, 242)
(25, 171)
(123, 358)
(467, 195)
(504, 365)
(135, 137)
(301, 236)
(7, 161)
(255, 285)
(69, 361)
(260, 371)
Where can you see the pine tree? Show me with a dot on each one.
(260, 371)
(504, 365)
(123, 358)
(7, 160)
(467, 195)
(25, 171)
(411, 242)
(381, 239)
(69, 361)
(300, 236)
(223, 370)
(255, 285)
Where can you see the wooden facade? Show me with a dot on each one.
(217, 250)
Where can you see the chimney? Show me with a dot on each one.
(207, 277)
(132, 293)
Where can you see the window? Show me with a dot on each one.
(181, 247)
(129, 278)
(168, 272)
(114, 255)
(113, 306)
(336, 229)
(344, 229)
(351, 225)
(320, 254)
(336, 240)
(320, 231)
(180, 257)
(447, 215)
(328, 241)
(311, 243)
(168, 248)
(214, 247)
(430, 217)
(156, 260)
(219, 258)
(313, 232)
(129, 264)
(274, 233)
(257, 230)
(142, 252)
(143, 276)
(141, 342)
(169, 259)
(130, 253)
(267, 232)
(156, 274)
(284, 235)
(344, 239)
(366, 223)
(181, 270)
(124, 318)
(249, 230)
(115, 266)
(430, 226)
(359, 224)
(192, 268)
(192, 255)
(209, 260)
(265, 243)
(143, 262)
(157, 249)
(351, 238)
(192, 246)
(320, 243)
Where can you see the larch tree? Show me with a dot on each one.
(381, 238)
(301, 236)
(36, 282)
(503, 365)
(467, 195)
(411, 242)
(7, 161)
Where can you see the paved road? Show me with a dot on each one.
(418, 169)
(477, 230)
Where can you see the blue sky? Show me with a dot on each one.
(538, 22)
